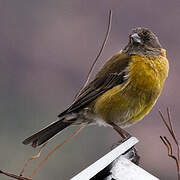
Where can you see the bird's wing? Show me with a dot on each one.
(113, 73)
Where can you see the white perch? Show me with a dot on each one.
(126, 170)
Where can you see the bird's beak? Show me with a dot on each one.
(136, 38)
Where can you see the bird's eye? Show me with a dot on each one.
(145, 33)
(146, 36)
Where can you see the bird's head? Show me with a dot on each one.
(142, 41)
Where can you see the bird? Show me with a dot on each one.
(122, 92)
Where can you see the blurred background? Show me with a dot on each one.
(46, 49)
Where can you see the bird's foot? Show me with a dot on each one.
(124, 134)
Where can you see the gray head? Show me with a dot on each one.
(142, 41)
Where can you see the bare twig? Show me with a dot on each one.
(13, 176)
(100, 51)
(32, 158)
(169, 120)
(55, 149)
(168, 144)
(169, 147)
(174, 136)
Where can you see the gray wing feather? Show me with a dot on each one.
(95, 89)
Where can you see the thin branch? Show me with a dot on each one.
(100, 52)
(174, 137)
(168, 144)
(171, 127)
(169, 120)
(169, 148)
(55, 149)
(13, 176)
(167, 126)
(32, 158)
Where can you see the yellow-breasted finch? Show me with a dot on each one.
(123, 91)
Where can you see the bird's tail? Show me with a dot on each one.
(47, 133)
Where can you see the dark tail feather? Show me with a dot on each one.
(45, 134)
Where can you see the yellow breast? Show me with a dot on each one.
(128, 103)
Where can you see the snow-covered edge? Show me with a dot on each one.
(100, 164)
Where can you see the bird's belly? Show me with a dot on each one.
(125, 107)
(130, 102)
